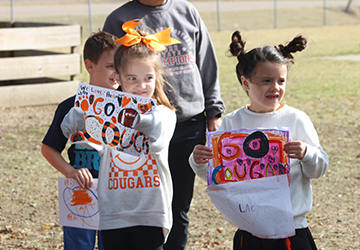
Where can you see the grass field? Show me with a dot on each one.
(328, 91)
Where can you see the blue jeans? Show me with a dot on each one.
(81, 239)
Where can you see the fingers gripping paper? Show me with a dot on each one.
(78, 207)
(248, 180)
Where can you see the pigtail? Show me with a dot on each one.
(237, 45)
(237, 48)
(297, 44)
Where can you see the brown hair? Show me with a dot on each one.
(248, 61)
(97, 43)
(124, 54)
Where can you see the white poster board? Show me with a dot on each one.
(78, 207)
(110, 117)
(261, 207)
(248, 180)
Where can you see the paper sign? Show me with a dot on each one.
(110, 117)
(261, 207)
(78, 207)
(247, 154)
(248, 180)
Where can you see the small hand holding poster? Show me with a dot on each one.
(78, 207)
(248, 180)
(110, 117)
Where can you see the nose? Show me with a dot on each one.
(142, 85)
(275, 86)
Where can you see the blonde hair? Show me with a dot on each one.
(124, 54)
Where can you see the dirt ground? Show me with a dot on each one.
(28, 191)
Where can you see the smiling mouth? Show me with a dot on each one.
(113, 80)
(140, 93)
(273, 96)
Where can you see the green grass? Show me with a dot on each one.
(286, 18)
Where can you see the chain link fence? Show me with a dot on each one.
(218, 15)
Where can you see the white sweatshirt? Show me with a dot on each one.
(137, 191)
(312, 166)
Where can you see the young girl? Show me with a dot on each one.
(262, 72)
(135, 193)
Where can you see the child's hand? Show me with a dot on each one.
(202, 154)
(82, 176)
(295, 149)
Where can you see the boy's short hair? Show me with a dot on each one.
(97, 43)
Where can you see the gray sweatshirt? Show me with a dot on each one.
(191, 66)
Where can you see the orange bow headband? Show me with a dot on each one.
(156, 42)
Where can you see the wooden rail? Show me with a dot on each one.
(39, 63)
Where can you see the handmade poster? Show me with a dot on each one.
(246, 154)
(78, 207)
(248, 180)
(261, 207)
(110, 117)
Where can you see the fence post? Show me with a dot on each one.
(275, 14)
(12, 12)
(90, 17)
(348, 6)
(324, 12)
(218, 15)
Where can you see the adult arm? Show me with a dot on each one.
(209, 71)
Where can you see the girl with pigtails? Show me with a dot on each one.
(263, 73)
(135, 192)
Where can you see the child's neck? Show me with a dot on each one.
(278, 108)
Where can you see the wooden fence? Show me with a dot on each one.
(39, 63)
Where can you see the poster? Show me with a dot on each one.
(248, 180)
(261, 207)
(110, 117)
(247, 154)
(78, 207)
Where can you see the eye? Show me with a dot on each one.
(282, 81)
(149, 78)
(110, 66)
(132, 78)
(266, 81)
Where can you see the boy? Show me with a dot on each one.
(84, 162)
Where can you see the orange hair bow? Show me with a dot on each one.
(156, 42)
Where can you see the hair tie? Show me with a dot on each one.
(156, 42)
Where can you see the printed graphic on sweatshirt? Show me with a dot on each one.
(129, 172)
(178, 58)
(247, 154)
(86, 158)
(110, 118)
